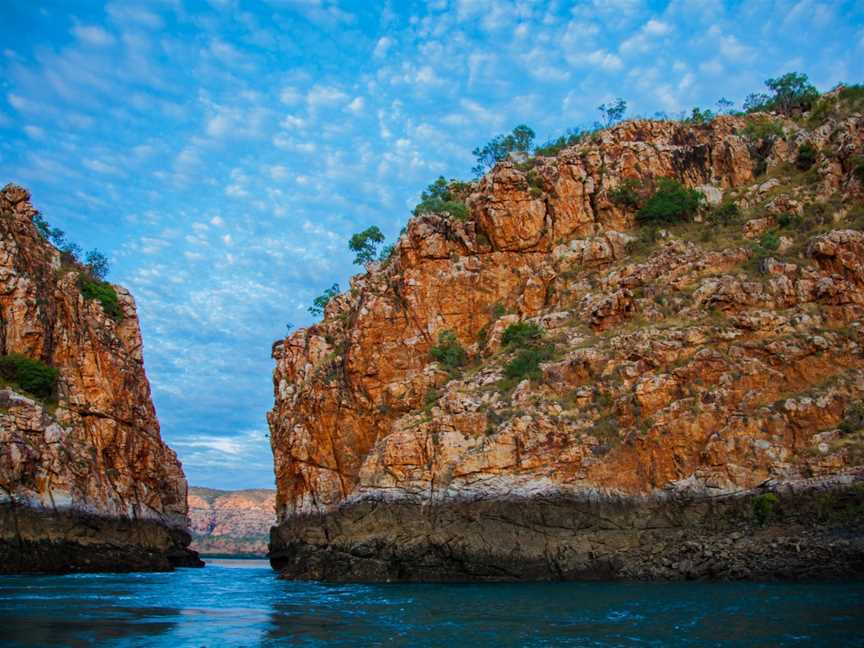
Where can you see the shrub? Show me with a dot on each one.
(318, 304)
(759, 129)
(364, 244)
(442, 197)
(700, 116)
(724, 213)
(626, 194)
(806, 156)
(31, 375)
(853, 418)
(518, 141)
(521, 335)
(672, 202)
(448, 352)
(859, 171)
(93, 288)
(769, 241)
(526, 364)
(764, 507)
(554, 146)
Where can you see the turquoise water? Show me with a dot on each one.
(241, 603)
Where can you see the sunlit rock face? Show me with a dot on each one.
(700, 361)
(93, 452)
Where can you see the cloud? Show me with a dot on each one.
(321, 96)
(93, 35)
(356, 105)
(383, 46)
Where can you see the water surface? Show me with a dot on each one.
(241, 603)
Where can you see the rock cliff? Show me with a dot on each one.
(685, 383)
(231, 522)
(86, 483)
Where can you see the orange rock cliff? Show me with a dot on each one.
(700, 371)
(86, 482)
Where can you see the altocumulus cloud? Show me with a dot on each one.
(222, 152)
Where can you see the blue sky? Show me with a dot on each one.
(222, 152)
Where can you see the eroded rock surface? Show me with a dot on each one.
(691, 361)
(92, 457)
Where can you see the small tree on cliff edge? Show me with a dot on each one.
(365, 244)
(519, 141)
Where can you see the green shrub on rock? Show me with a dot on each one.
(526, 364)
(448, 352)
(806, 156)
(102, 291)
(29, 374)
(671, 203)
(521, 335)
(442, 197)
(765, 507)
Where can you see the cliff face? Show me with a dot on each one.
(85, 479)
(231, 522)
(699, 360)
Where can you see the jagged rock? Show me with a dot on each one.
(672, 356)
(95, 455)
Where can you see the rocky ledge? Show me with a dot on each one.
(812, 532)
(559, 386)
(86, 482)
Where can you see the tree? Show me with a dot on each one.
(519, 140)
(613, 112)
(97, 264)
(365, 244)
(790, 91)
(724, 106)
(318, 304)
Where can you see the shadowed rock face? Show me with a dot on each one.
(95, 453)
(231, 522)
(696, 362)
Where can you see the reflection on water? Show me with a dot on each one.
(240, 603)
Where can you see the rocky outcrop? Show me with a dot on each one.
(678, 366)
(86, 482)
(231, 522)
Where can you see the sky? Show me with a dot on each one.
(222, 152)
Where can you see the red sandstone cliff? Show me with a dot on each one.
(94, 450)
(693, 359)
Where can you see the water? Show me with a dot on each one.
(241, 603)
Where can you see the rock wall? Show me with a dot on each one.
(93, 453)
(689, 360)
(231, 522)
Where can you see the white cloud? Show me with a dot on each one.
(217, 221)
(383, 46)
(323, 95)
(34, 132)
(93, 35)
(356, 106)
(279, 172)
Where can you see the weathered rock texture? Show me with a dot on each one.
(231, 522)
(691, 363)
(86, 482)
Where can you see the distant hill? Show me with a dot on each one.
(231, 522)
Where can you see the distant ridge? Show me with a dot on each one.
(231, 522)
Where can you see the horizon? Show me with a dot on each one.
(222, 153)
